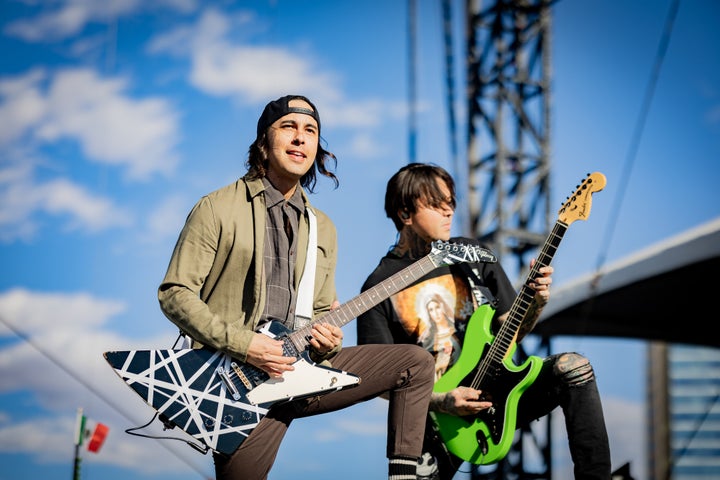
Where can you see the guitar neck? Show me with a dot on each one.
(509, 328)
(366, 300)
(577, 207)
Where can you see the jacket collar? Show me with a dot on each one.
(256, 186)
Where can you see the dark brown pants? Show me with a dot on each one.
(403, 372)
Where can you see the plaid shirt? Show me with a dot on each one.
(281, 254)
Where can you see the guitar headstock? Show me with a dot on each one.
(450, 253)
(577, 206)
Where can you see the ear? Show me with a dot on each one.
(404, 215)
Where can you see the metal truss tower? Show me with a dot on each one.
(508, 94)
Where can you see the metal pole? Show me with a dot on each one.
(79, 432)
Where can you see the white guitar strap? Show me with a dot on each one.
(306, 290)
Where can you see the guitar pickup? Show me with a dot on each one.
(241, 375)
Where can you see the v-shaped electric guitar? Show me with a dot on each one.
(219, 400)
(486, 364)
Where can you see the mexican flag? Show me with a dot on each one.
(90, 432)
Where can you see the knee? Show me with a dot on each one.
(573, 369)
(423, 359)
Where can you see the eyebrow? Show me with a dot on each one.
(295, 122)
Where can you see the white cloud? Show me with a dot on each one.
(89, 211)
(41, 110)
(24, 199)
(110, 127)
(21, 104)
(61, 23)
(59, 339)
(363, 146)
(36, 313)
(250, 73)
(253, 74)
(167, 218)
(62, 19)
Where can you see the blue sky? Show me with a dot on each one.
(118, 115)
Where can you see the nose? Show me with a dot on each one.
(299, 138)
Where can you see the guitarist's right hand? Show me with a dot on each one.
(267, 354)
(459, 401)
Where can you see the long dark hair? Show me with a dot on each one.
(416, 182)
(257, 163)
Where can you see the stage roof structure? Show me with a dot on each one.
(663, 292)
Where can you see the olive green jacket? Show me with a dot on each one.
(214, 288)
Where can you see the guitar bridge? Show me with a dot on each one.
(482, 442)
(229, 385)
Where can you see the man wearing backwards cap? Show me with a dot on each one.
(237, 265)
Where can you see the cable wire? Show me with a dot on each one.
(59, 363)
(637, 134)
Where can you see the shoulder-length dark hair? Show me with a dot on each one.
(413, 183)
(257, 163)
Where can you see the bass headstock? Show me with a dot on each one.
(577, 206)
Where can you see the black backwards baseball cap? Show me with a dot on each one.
(280, 107)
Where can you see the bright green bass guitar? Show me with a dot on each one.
(486, 364)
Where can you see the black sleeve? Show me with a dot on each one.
(373, 325)
(499, 284)
(379, 324)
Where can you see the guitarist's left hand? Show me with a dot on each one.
(326, 337)
(541, 284)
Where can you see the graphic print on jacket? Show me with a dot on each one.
(435, 313)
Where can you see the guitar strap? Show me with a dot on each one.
(306, 290)
(481, 293)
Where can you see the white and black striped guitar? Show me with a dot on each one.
(219, 400)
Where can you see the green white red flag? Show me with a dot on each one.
(90, 433)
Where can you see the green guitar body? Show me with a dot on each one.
(484, 438)
(485, 361)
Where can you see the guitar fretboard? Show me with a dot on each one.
(506, 335)
(441, 254)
